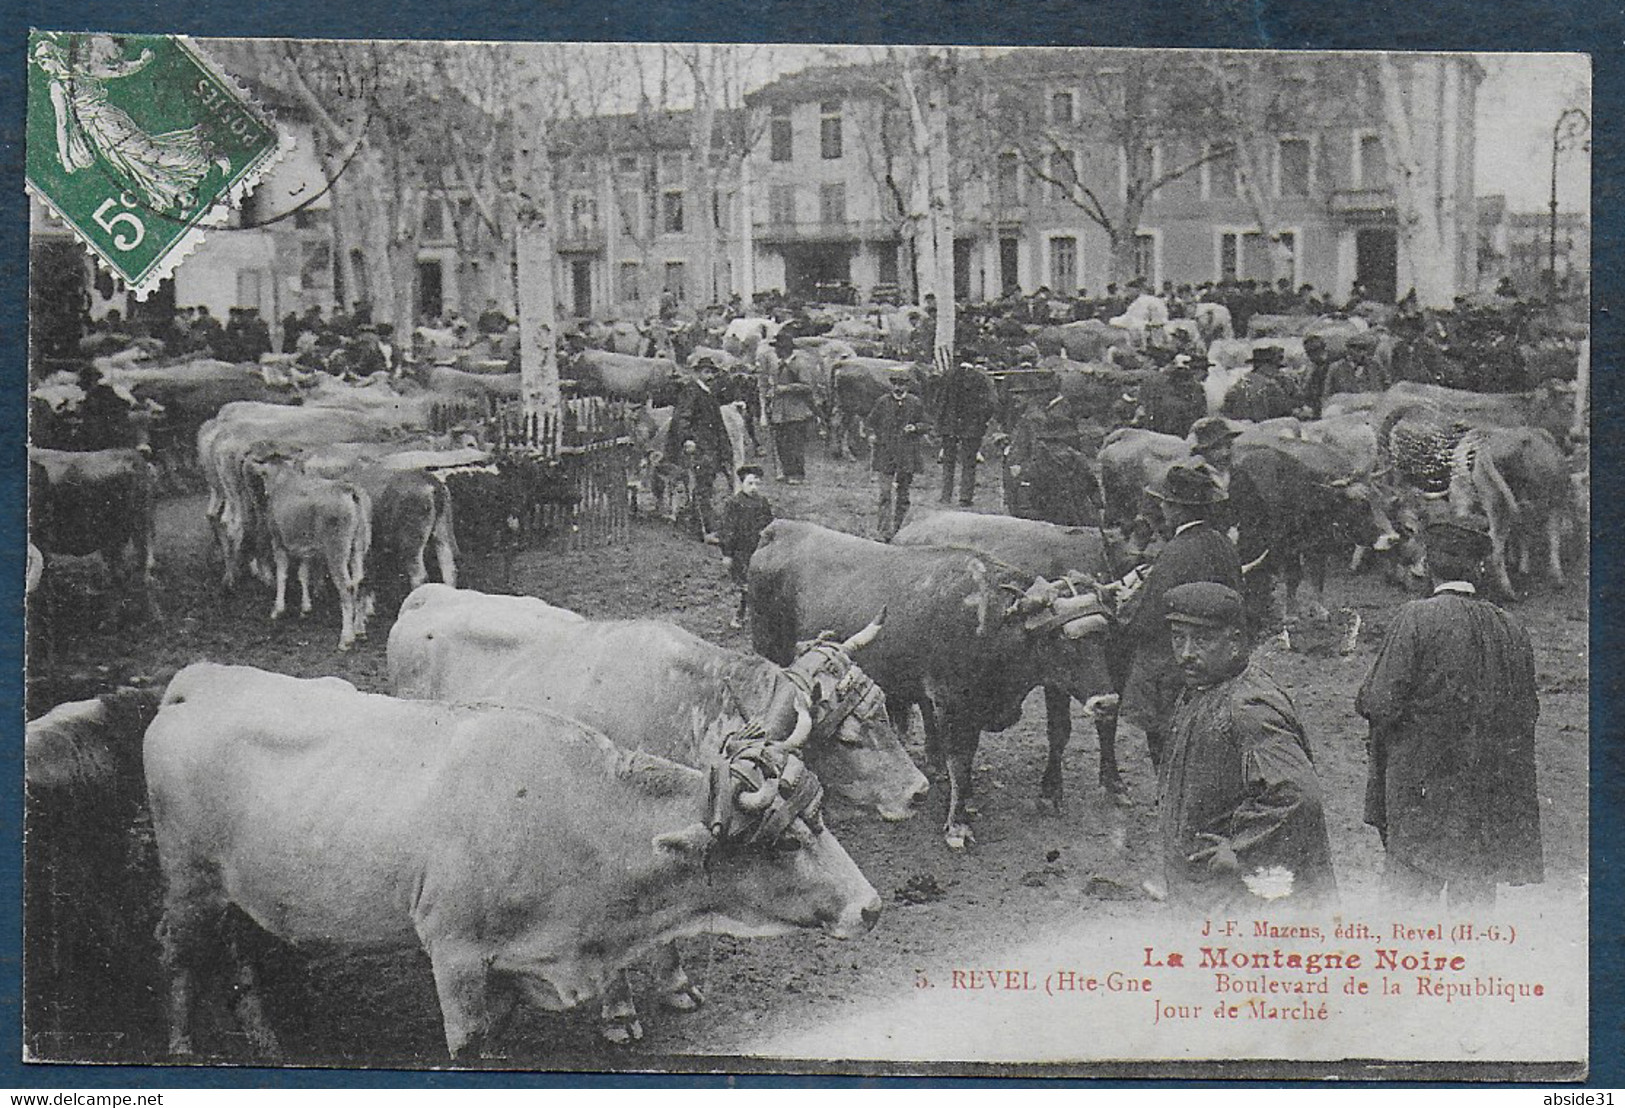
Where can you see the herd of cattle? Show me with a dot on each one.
(545, 800)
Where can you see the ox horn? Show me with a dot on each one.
(1254, 564)
(866, 636)
(803, 727)
(755, 800)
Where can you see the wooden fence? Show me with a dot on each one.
(587, 448)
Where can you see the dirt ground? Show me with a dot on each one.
(91, 964)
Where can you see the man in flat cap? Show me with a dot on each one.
(1240, 802)
(1452, 705)
(1196, 551)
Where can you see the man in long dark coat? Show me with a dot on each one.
(966, 406)
(1196, 551)
(790, 407)
(1261, 394)
(1452, 705)
(1242, 825)
(1049, 466)
(896, 424)
(698, 440)
(1173, 400)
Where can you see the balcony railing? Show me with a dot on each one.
(1367, 202)
(812, 231)
(574, 240)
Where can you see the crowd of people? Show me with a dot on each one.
(1451, 704)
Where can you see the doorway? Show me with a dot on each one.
(962, 258)
(581, 286)
(1009, 252)
(431, 290)
(1376, 264)
(806, 266)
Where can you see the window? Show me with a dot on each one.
(315, 264)
(434, 220)
(1060, 108)
(249, 283)
(1249, 254)
(1063, 265)
(671, 165)
(630, 203)
(629, 281)
(1229, 256)
(308, 219)
(1292, 167)
(832, 203)
(1221, 176)
(676, 280)
(1063, 174)
(781, 204)
(1373, 163)
(1287, 255)
(627, 163)
(1109, 89)
(1007, 183)
(888, 264)
(716, 208)
(583, 215)
(829, 129)
(779, 134)
(673, 204)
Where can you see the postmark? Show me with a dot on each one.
(138, 143)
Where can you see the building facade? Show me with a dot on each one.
(823, 209)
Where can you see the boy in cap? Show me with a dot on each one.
(1196, 551)
(745, 515)
(1452, 705)
(1239, 807)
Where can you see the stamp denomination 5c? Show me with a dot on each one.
(137, 143)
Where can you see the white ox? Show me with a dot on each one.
(527, 855)
(649, 685)
(742, 336)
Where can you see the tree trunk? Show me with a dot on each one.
(1122, 238)
(922, 225)
(942, 220)
(538, 323)
(1424, 263)
(701, 142)
(745, 276)
(536, 264)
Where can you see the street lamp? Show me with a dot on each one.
(1571, 130)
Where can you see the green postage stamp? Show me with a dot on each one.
(138, 143)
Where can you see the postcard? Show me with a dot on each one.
(748, 558)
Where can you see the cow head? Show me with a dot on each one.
(770, 863)
(851, 740)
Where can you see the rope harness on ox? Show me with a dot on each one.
(1077, 606)
(854, 692)
(759, 788)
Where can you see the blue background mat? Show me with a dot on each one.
(1522, 25)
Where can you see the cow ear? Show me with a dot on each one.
(691, 842)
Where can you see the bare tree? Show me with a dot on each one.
(1411, 95)
(1105, 159)
(926, 78)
